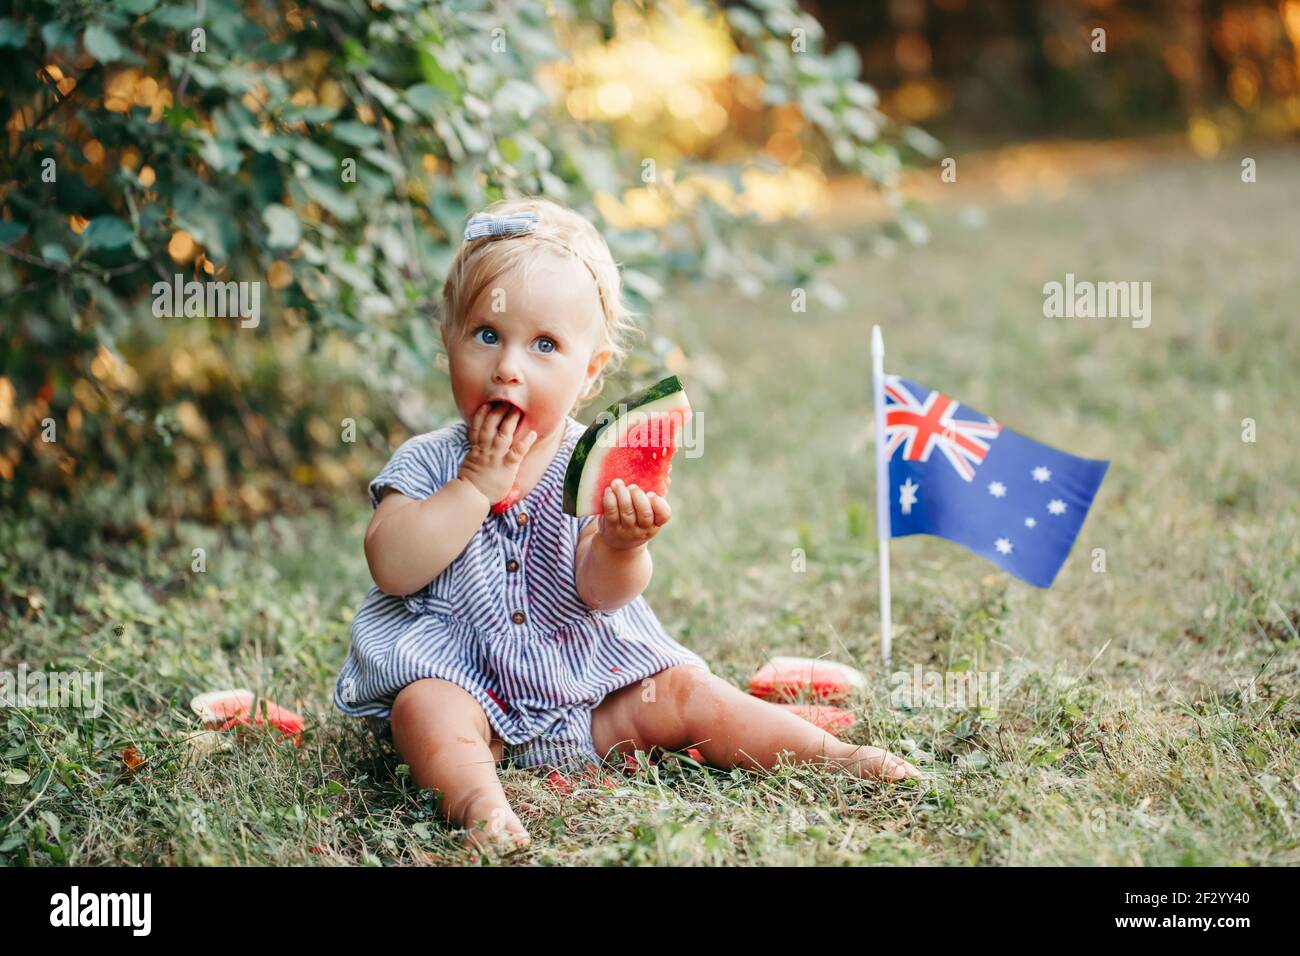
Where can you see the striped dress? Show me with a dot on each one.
(504, 620)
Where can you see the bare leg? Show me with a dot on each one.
(444, 736)
(692, 708)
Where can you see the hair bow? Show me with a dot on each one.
(485, 224)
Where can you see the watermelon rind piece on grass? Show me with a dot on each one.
(634, 439)
(792, 679)
(227, 709)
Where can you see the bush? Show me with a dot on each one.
(330, 152)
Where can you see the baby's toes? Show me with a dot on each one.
(872, 763)
(896, 768)
(503, 833)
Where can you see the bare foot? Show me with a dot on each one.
(872, 763)
(494, 828)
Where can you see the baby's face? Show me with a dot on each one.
(537, 352)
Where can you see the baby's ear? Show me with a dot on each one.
(598, 360)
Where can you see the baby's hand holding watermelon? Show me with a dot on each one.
(631, 516)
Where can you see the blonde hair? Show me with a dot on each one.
(480, 263)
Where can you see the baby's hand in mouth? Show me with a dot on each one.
(506, 408)
(497, 448)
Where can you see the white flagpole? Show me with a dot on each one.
(882, 487)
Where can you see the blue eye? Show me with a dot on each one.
(486, 331)
(545, 341)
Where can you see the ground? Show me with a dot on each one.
(1147, 712)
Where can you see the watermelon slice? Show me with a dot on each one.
(634, 439)
(793, 678)
(224, 709)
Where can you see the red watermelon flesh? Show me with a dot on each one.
(643, 457)
(506, 503)
(225, 709)
(795, 678)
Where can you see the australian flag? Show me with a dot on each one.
(960, 475)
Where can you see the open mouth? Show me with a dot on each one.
(507, 405)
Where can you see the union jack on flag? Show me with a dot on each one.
(1024, 511)
(924, 425)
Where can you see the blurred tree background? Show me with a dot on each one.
(331, 151)
(981, 72)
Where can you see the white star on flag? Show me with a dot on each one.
(907, 495)
(1030, 523)
(1042, 473)
(997, 489)
(1056, 506)
(1003, 546)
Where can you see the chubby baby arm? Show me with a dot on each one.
(612, 565)
(410, 542)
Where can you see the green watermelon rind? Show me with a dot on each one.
(610, 418)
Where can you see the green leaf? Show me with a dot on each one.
(356, 53)
(101, 44)
(12, 33)
(11, 232)
(336, 202)
(315, 155)
(52, 822)
(208, 79)
(224, 156)
(380, 91)
(135, 7)
(432, 71)
(16, 777)
(107, 232)
(384, 162)
(58, 35)
(311, 114)
(53, 252)
(922, 142)
(178, 116)
(425, 98)
(510, 150)
(356, 134)
(176, 18)
(285, 229)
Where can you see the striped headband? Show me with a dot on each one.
(484, 225)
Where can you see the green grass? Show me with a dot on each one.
(1127, 731)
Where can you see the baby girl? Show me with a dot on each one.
(498, 626)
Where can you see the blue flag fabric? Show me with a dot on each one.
(960, 475)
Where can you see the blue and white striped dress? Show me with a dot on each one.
(504, 620)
